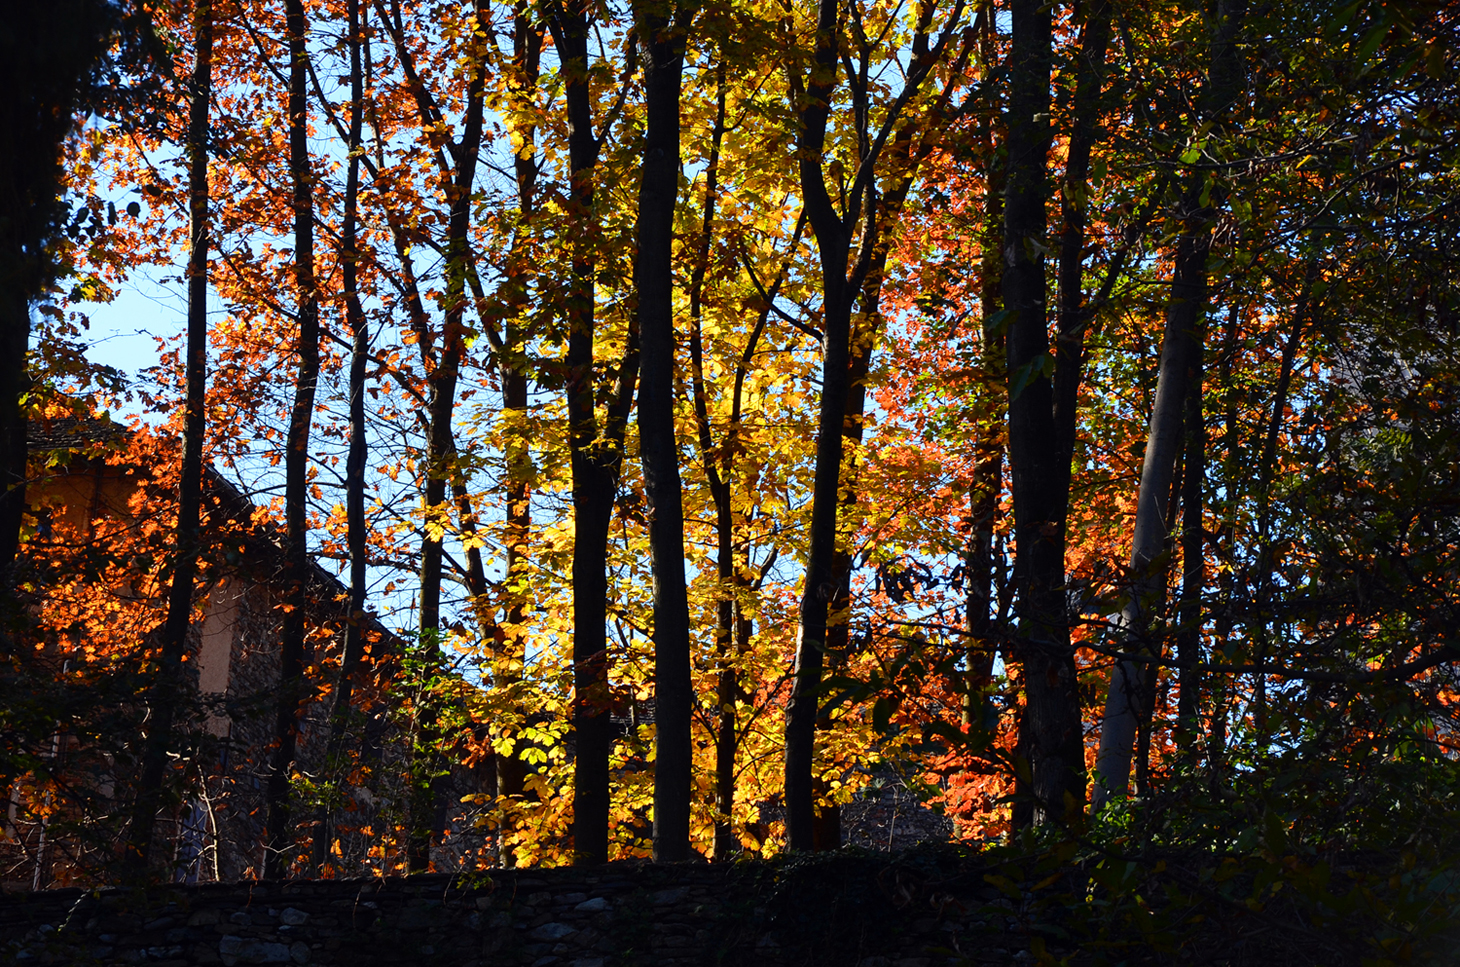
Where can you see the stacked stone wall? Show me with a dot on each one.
(845, 914)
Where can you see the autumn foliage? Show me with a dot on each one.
(472, 179)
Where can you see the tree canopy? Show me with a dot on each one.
(729, 409)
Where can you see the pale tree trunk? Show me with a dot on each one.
(169, 690)
(1180, 357)
(1180, 352)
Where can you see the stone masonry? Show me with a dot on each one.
(856, 914)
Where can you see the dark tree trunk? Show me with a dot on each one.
(1074, 313)
(662, 44)
(596, 456)
(1051, 727)
(355, 522)
(988, 471)
(826, 566)
(718, 471)
(440, 454)
(833, 242)
(1266, 469)
(169, 690)
(280, 842)
(511, 771)
(826, 828)
(1193, 547)
(1227, 547)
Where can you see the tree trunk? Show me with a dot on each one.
(168, 692)
(1051, 728)
(1266, 469)
(826, 566)
(1180, 352)
(441, 448)
(988, 471)
(718, 471)
(1188, 634)
(1074, 313)
(355, 522)
(296, 460)
(833, 243)
(1227, 546)
(1180, 355)
(663, 51)
(511, 771)
(596, 457)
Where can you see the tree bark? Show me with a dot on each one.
(1227, 546)
(840, 283)
(1180, 355)
(1266, 470)
(596, 454)
(662, 43)
(511, 771)
(169, 690)
(833, 242)
(355, 523)
(1051, 727)
(718, 468)
(1193, 571)
(1180, 351)
(1074, 313)
(440, 446)
(988, 471)
(280, 841)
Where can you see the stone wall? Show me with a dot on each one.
(854, 910)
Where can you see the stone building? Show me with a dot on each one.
(98, 504)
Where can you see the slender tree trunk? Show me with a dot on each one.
(1051, 728)
(1074, 313)
(718, 469)
(833, 242)
(596, 455)
(825, 565)
(517, 456)
(277, 858)
(167, 694)
(988, 471)
(1266, 470)
(1180, 355)
(1151, 680)
(663, 51)
(1188, 635)
(1180, 352)
(1222, 627)
(732, 635)
(355, 522)
(441, 448)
